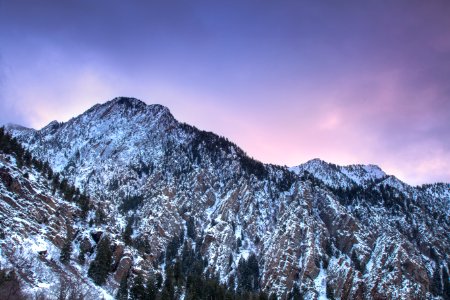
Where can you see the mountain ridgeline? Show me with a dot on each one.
(126, 202)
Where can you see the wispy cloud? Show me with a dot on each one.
(354, 82)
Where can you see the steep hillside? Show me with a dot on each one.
(330, 231)
(38, 221)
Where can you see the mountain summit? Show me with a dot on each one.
(170, 199)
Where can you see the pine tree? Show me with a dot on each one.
(83, 203)
(435, 284)
(168, 292)
(252, 264)
(81, 256)
(296, 295)
(159, 280)
(242, 275)
(101, 265)
(273, 296)
(445, 279)
(66, 250)
(137, 291)
(128, 231)
(151, 292)
(122, 293)
(100, 217)
(355, 260)
(190, 224)
(329, 292)
(248, 274)
(263, 296)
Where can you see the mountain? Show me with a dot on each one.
(160, 189)
(36, 220)
(341, 177)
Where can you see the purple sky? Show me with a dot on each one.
(288, 81)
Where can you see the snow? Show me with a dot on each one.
(292, 227)
(4, 263)
(36, 244)
(106, 295)
(321, 284)
(369, 266)
(340, 176)
(44, 285)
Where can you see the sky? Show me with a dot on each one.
(288, 81)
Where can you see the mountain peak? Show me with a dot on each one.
(142, 170)
(135, 105)
(127, 101)
(341, 176)
(16, 127)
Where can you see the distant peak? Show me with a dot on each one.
(12, 126)
(53, 123)
(319, 163)
(316, 160)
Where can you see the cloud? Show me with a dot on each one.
(10, 110)
(350, 83)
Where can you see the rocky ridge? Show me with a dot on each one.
(322, 230)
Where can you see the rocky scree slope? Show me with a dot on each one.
(325, 232)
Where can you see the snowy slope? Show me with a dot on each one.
(341, 176)
(352, 232)
(34, 224)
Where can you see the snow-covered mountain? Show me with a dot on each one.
(341, 177)
(317, 230)
(34, 225)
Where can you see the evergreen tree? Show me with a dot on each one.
(187, 258)
(27, 158)
(100, 217)
(151, 292)
(273, 296)
(252, 264)
(248, 274)
(142, 244)
(128, 231)
(122, 293)
(168, 292)
(296, 295)
(355, 260)
(194, 287)
(137, 291)
(263, 296)
(172, 249)
(159, 280)
(66, 250)
(329, 292)
(63, 186)
(55, 180)
(190, 224)
(101, 265)
(81, 256)
(83, 203)
(435, 284)
(445, 279)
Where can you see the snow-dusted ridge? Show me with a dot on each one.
(351, 232)
(341, 176)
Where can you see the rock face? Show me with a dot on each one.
(34, 223)
(343, 232)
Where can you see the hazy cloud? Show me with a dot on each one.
(348, 82)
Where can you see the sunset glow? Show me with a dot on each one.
(348, 82)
